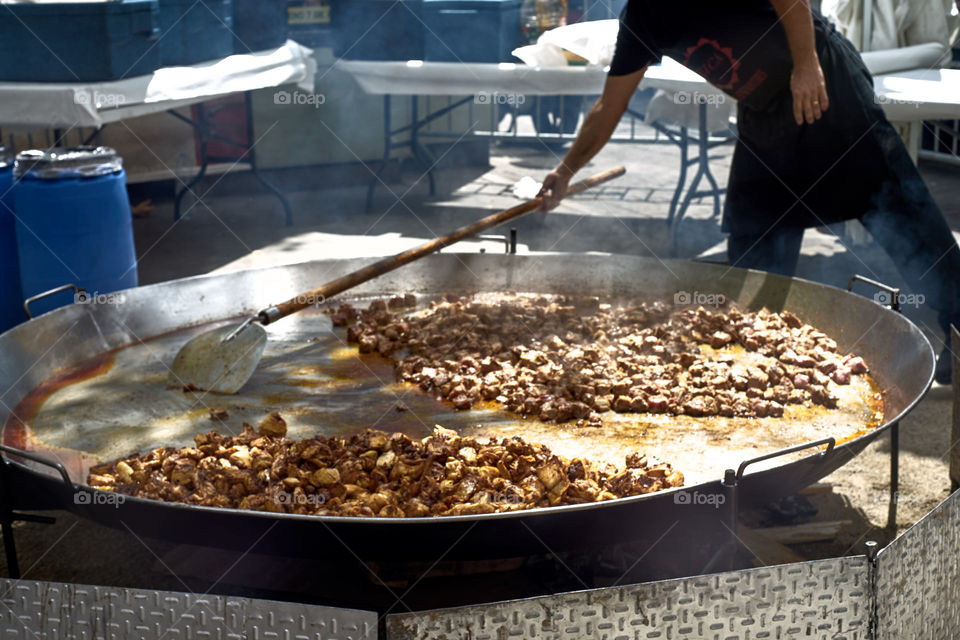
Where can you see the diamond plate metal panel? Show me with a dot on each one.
(821, 599)
(33, 610)
(918, 578)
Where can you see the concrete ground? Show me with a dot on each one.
(235, 226)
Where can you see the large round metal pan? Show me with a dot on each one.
(901, 358)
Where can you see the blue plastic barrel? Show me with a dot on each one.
(73, 224)
(11, 300)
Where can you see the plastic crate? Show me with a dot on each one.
(78, 42)
(259, 25)
(192, 31)
(378, 29)
(471, 30)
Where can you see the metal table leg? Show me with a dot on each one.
(188, 187)
(682, 180)
(249, 156)
(703, 171)
(387, 147)
(419, 152)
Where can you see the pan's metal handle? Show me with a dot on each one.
(505, 239)
(893, 293)
(509, 241)
(731, 487)
(79, 294)
(830, 442)
(40, 460)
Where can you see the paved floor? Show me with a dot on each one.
(232, 228)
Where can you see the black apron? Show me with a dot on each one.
(789, 175)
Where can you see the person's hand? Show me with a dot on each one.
(554, 188)
(809, 92)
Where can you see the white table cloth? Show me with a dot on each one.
(26, 105)
(416, 77)
(920, 94)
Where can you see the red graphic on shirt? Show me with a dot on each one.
(713, 62)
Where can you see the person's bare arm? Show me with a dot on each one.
(597, 128)
(806, 83)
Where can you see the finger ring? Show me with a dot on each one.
(816, 102)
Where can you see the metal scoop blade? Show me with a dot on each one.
(221, 360)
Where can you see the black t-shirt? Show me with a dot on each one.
(739, 46)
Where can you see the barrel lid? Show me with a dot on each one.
(75, 162)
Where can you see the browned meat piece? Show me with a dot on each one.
(720, 339)
(760, 408)
(828, 366)
(788, 356)
(855, 364)
(805, 360)
(658, 404)
(218, 414)
(273, 425)
(461, 402)
(819, 378)
(354, 333)
(841, 375)
(821, 395)
(385, 346)
(756, 378)
(701, 406)
(621, 387)
(367, 343)
(791, 320)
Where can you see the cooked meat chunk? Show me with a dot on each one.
(563, 359)
(273, 425)
(374, 474)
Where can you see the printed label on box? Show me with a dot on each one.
(310, 12)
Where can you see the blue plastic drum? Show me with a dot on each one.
(73, 224)
(11, 300)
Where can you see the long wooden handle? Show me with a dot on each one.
(380, 267)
